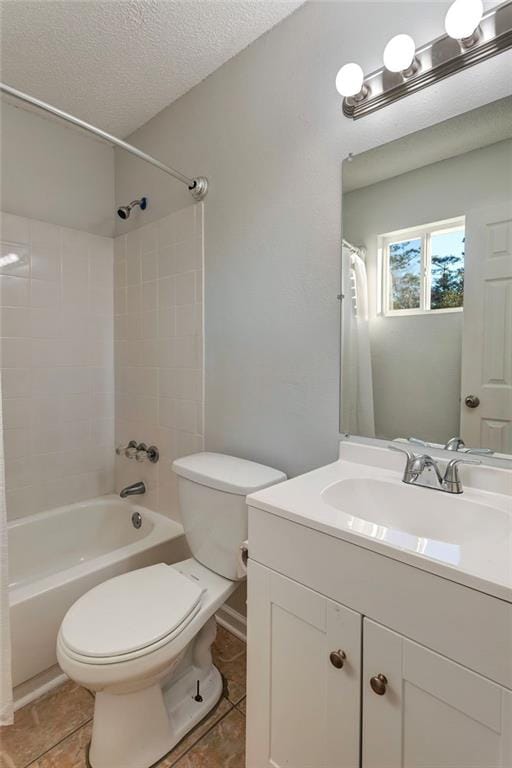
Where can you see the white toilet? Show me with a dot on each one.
(142, 641)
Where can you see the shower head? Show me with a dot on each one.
(124, 210)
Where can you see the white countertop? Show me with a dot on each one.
(471, 554)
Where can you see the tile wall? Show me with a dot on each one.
(56, 329)
(158, 332)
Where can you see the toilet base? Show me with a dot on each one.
(135, 730)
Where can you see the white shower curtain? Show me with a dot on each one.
(357, 386)
(6, 708)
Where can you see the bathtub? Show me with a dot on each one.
(56, 556)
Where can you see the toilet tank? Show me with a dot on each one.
(211, 490)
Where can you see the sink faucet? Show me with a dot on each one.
(424, 471)
(458, 444)
(135, 489)
(454, 444)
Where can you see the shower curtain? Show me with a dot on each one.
(6, 707)
(357, 385)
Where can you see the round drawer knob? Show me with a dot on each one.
(378, 684)
(472, 401)
(337, 659)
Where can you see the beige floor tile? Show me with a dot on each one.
(241, 706)
(40, 725)
(229, 656)
(69, 753)
(217, 714)
(222, 747)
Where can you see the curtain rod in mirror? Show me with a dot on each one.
(471, 38)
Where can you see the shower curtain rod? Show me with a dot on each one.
(198, 187)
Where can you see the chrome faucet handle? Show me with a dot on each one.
(451, 481)
(417, 441)
(127, 450)
(455, 444)
(410, 455)
(480, 451)
(411, 469)
(145, 453)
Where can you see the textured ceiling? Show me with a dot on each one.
(471, 130)
(116, 63)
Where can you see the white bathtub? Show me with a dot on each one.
(56, 556)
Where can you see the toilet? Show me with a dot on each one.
(142, 641)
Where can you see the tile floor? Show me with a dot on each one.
(54, 731)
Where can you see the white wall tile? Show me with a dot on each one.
(19, 268)
(47, 293)
(14, 291)
(16, 382)
(15, 322)
(158, 350)
(186, 288)
(149, 266)
(57, 358)
(14, 228)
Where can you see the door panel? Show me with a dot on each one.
(303, 712)
(487, 337)
(434, 713)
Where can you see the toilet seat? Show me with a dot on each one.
(130, 615)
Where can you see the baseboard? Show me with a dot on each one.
(233, 621)
(37, 686)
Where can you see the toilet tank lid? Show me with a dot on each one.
(227, 473)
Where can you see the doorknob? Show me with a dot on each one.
(378, 684)
(472, 401)
(337, 659)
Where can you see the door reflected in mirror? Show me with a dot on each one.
(427, 285)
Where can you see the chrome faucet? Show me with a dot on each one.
(455, 444)
(135, 489)
(424, 471)
(458, 444)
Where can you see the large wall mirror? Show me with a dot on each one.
(427, 285)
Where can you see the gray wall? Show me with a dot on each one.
(268, 131)
(417, 359)
(55, 173)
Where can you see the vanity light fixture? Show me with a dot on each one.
(462, 21)
(349, 82)
(471, 37)
(399, 55)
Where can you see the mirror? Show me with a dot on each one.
(427, 285)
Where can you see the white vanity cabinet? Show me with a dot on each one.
(429, 712)
(304, 676)
(427, 664)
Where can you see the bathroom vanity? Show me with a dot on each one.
(380, 619)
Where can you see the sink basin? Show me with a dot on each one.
(387, 510)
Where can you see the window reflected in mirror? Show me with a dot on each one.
(426, 343)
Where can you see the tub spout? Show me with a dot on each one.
(135, 489)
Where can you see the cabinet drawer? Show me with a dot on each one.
(467, 626)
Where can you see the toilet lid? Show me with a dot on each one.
(130, 612)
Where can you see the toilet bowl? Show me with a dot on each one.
(142, 641)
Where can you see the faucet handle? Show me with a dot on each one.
(410, 455)
(127, 450)
(451, 478)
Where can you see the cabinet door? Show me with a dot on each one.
(303, 712)
(431, 713)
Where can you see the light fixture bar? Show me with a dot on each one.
(435, 61)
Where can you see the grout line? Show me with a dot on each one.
(237, 706)
(75, 730)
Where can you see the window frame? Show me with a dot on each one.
(423, 233)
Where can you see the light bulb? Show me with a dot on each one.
(463, 18)
(349, 80)
(399, 53)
